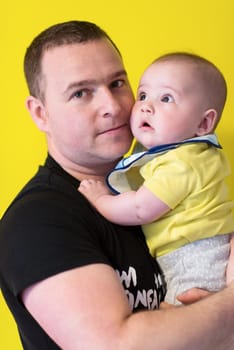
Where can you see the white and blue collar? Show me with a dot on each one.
(115, 179)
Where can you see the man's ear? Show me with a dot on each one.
(38, 112)
(207, 125)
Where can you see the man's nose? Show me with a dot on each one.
(109, 104)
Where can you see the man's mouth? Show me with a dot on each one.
(113, 130)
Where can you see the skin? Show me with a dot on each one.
(171, 105)
(77, 315)
(89, 93)
(230, 267)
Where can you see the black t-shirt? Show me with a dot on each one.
(50, 228)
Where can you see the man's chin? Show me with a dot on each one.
(116, 153)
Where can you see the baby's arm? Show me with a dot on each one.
(230, 267)
(129, 208)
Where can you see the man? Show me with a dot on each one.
(71, 279)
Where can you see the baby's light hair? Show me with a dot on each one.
(211, 77)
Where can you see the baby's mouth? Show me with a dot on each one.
(145, 126)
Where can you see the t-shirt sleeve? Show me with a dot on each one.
(49, 233)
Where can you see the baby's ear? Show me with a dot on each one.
(208, 123)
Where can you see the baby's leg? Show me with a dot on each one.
(201, 264)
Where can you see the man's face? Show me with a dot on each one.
(88, 101)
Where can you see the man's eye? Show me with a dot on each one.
(79, 94)
(117, 83)
(167, 99)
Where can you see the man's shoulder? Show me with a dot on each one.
(45, 191)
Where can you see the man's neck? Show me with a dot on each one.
(80, 172)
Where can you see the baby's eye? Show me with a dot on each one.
(142, 96)
(167, 98)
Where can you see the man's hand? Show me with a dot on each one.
(193, 295)
(230, 267)
(188, 297)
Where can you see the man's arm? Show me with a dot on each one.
(86, 308)
(128, 208)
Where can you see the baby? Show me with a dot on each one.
(176, 187)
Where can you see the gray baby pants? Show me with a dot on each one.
(200, 264)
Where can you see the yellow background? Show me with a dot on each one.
(142, 30)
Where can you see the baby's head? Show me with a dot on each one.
(210, 78)
(180, 95)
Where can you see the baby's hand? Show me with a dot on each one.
(93, 190)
